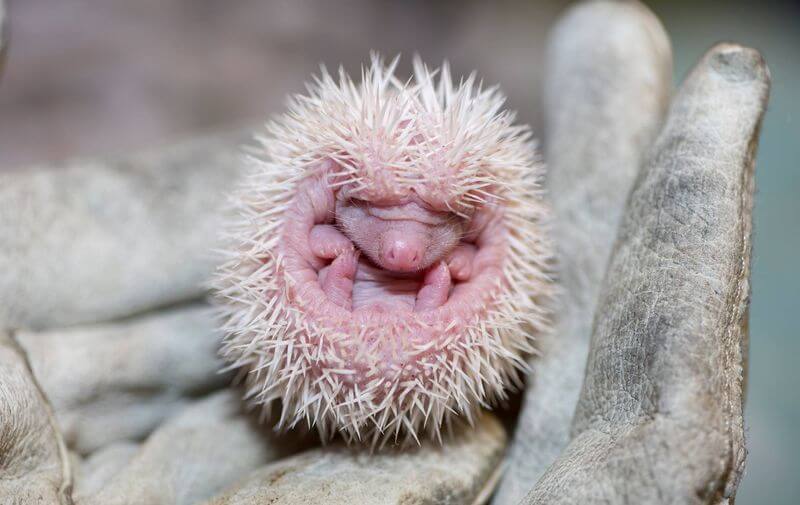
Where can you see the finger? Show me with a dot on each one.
(455, 472)
(662, 397)
(101, 466)
(204, 448)
(93, 240)
(34, 463)
(87, 372)
(607, 86)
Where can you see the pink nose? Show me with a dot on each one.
(401, 253)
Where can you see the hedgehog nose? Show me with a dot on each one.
(401, 253)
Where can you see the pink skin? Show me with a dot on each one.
(402, 235)
(386, 317)
(391, 264)
(400, 253)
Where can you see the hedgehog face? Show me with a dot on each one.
(388, 268)
(399, 235)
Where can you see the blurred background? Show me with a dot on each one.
(100, 77)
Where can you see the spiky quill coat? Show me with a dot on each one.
(428, 131)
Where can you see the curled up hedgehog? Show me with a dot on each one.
(388, 266)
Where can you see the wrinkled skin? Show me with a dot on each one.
(398, 254)
(639, 435)
(403, 236)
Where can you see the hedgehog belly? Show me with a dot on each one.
(378, 364)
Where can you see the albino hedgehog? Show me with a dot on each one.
(388, 267)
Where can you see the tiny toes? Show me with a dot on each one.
(337, 279)
(327, 242)
(460, 262)
(435, 289)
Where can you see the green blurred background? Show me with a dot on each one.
(87, 77)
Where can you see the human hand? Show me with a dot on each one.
(660, 282)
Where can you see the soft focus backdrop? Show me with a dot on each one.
(96, 77)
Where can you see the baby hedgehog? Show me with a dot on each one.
(388, 266)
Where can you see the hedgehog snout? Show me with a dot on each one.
(402, 252)
(404, 237)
